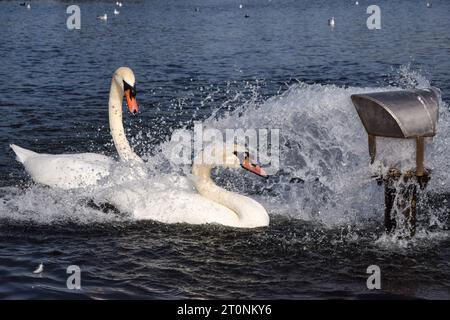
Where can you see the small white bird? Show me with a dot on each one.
(39, 269)
(116, 12)
(357, 3)
(331, 22)
(103, 17)
(429, 4)
(240, 6)
(119, 4)
(28, 6)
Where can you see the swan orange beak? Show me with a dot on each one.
(247, 165)
(131, 102)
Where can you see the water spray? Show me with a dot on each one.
(406, 114)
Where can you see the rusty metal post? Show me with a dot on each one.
(372, 147)
(420, 155)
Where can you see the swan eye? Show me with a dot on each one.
(132, 89)
(242, 155)
(239, 155)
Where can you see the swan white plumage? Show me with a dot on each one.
(193, 200)
(69, 171)
(198, 201)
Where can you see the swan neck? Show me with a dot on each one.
(250, 213)
(116, 124)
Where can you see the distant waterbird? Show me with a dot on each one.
(429, 4)
(28, 5)
(119, 4)
(103, 17)
(331, 22)
(39, 269)
(357, 3)
(116, 12)
(240, 6)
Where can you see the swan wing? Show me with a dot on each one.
(65, 171)
(167, 200)
(188, 208)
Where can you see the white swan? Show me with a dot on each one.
(177, 199)
(68, 171)
(198, 201)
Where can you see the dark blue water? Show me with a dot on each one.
(283, 60)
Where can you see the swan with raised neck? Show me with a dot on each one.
(67, 171)
(123, 84)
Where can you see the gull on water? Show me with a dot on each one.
(331, 22)
(39, 269)
(103, 17)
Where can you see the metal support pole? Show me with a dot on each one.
(420, 155)
(372, 147)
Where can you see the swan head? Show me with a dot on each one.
(242, 158)
(125, 79)
(236, 157)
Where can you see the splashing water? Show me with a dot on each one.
(324, 174)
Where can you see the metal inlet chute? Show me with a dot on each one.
(405, 114)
